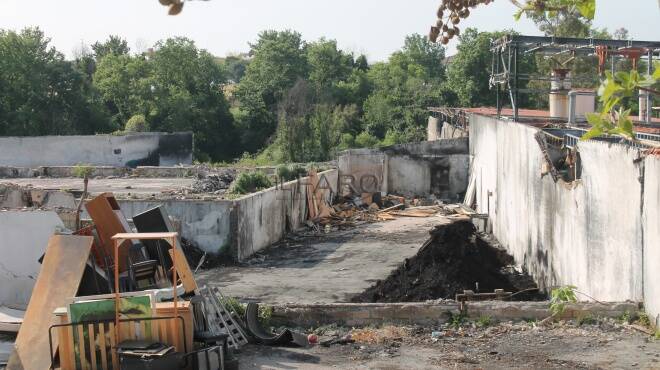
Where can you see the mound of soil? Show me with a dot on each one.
(455, 258)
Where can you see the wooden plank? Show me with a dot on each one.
(113, 346)
(183, 270)
(146, 236)
(102, 344)
(81, 346)
(102, 211)
(92, 345)
(58, 281)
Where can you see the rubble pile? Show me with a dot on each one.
(373, 207)
(215, 183)
(453, 260)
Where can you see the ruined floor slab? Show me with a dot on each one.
(325, 269)
(119, 186)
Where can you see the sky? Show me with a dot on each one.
(373, 27)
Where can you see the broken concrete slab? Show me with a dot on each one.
(331, 268)
(25, 236)
(433, 313)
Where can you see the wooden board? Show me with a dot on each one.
(58, 281)
(109, 223)
(183, 271)
(10, 319)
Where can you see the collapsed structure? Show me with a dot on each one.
(378, 225)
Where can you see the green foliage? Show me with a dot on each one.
(559, 17)
(137, 123)
(457, 320)
(644, 320)
(559, 297)
(249, 182)
(40, 92)
(114, 45)
(616, 92)
(484, 321)
(288, 173)
(365, 140)
(83, 170)
(625, 318)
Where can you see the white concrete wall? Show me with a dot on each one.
(100, 150)
(265, 217)
(651, 225)
(206, 223)
(23, 240)
(412, 169)
(586, 234)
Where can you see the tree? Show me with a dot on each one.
(327, 65)
(114, 45)
(40, 92)
(186, 94)
(235, 67)
(278, 61)
(137, 123)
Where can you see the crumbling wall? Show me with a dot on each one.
(437, 167)
(263, 218)
(140, 149)
(23, 239)
(585, 233)
(451, 132)
(206, 223)
(650, 224)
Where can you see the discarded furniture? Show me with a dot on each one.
(209, 358)
(146, 355)
(118, 242)
(99, 343)
(106, 215)
(59, 278)
(141, 270)
(156, 220)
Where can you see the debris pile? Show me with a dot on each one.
(372, 207)
(214, 183)
(453, 259)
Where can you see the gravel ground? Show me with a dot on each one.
(602, 344)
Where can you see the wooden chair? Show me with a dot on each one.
(141, 268)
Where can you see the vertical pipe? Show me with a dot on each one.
(174, 286)
(515, 83)
(498, 102)
(649, 96)
(117, 244)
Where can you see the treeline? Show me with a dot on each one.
(287, 100)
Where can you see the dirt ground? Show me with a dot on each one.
(324, 268)
(605, 344)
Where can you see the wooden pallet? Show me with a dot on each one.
(220, 320)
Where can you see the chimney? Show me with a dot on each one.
(560, 85)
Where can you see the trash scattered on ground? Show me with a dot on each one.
(214, 183)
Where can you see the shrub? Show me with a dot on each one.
(249, 182)
(289, 173)
(82, 170)
(137, 123)
(366, 140)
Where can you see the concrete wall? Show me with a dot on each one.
(143, 149)
(24, 237)
(451, 132)
(587, 233)
(650, 224)
(263, 218)
(437, 167)
(206, 223)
